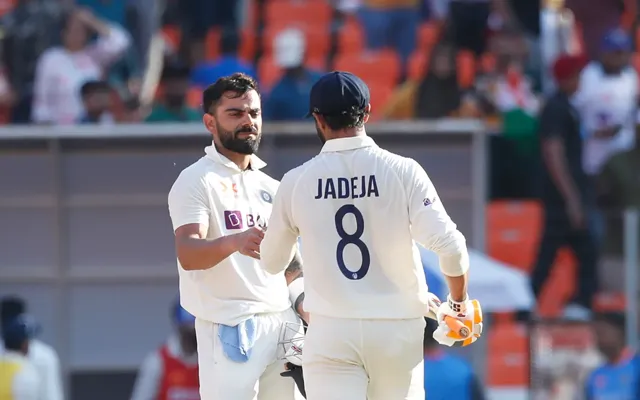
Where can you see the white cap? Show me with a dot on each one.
(288, 48)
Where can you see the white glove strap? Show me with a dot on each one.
(458, 307)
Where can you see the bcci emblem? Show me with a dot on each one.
(266, 196)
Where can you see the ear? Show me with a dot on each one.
(209, 122)
(368, 113)
(320, 120)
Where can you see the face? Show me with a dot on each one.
(74, 34)
(615, 60)
(236, 122)
(608, 338)
(98, 101)
(175, 91)
(443, 65)
(188, 339)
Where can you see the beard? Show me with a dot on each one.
(319, 132)
(230, 140)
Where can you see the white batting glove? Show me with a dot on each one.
(433, 303)
(468, 313)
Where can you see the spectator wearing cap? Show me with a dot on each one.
(19, 377)
(289, 98)
(97, 102)
(173, 104)
(619, 376)
(171, 372)
(607, 101)
(566, 191)
(40, 354)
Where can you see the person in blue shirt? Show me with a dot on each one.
(208, 72)
(619, 377)
(447, 377)
(289, 98)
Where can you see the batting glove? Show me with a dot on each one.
(468, 312)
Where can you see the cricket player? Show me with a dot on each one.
(217, 206)
(358, 210)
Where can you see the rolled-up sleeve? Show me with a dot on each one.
(280, 241)
(108, 48)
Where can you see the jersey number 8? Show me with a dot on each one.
(354, 239)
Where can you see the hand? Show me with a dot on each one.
(433, 302)
(576, 214)
(248, 242)
(469, 313)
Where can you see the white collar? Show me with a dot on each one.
(213, 155)
(348, 143)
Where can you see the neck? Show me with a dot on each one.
(350, 132)
(241, 160)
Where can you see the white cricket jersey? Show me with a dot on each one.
(603, 101)
(22, 375)
(358, 209)
(215, 192)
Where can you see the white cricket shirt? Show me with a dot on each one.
(358, 209)
(213, 191)
(23, 376)
(603, 101)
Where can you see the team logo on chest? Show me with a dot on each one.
(229, 188)
(266, 196)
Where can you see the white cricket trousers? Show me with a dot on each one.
(356, 359)
(258, 378)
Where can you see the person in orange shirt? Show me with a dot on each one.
(171, 372)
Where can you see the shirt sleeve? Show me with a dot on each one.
(44, 90)
(109, 47)
(26, 384)
(189, 201)
(431, 226)
(148, 379)
(52, 380)
(280, 241)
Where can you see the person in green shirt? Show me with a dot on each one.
(173, 104)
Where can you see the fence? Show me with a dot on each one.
(87, 240)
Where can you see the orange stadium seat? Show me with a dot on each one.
(247, 49)
(509, 361)
(317, 13)
(488, 63)
(466, 68)
(269, 72)
(212, 44)
(513, 230)
(6, 6)
(351, 36)
(380, 94)
(560, 285)
(428, 35)
(318, 39)
(172, 34)
(373, 67)
(194, 97)
(418, 63)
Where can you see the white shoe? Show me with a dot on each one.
(577, 312)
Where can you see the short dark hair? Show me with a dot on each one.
(10, 308)
(229, 42)
(91, 87)
(352, 119)
(238, 83)
(295, 265)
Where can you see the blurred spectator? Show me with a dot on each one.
(29, 29)
(289, 98)
(619, 377)
(607, 102)
(172, 106)
(619, 180)
(446, 376)
(61, 71)
(596, 17)
(391, 23)
(96, 98)
(467, 24)
(43, 356)
(437, 95)
(559, 36)
(207, 72)
(177, 357)
(19, 377)
(567, 192)
(199, 16)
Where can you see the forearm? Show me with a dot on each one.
(199, 254)
(561, 178)
(457, 287)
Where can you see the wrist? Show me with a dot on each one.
(458, 303)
